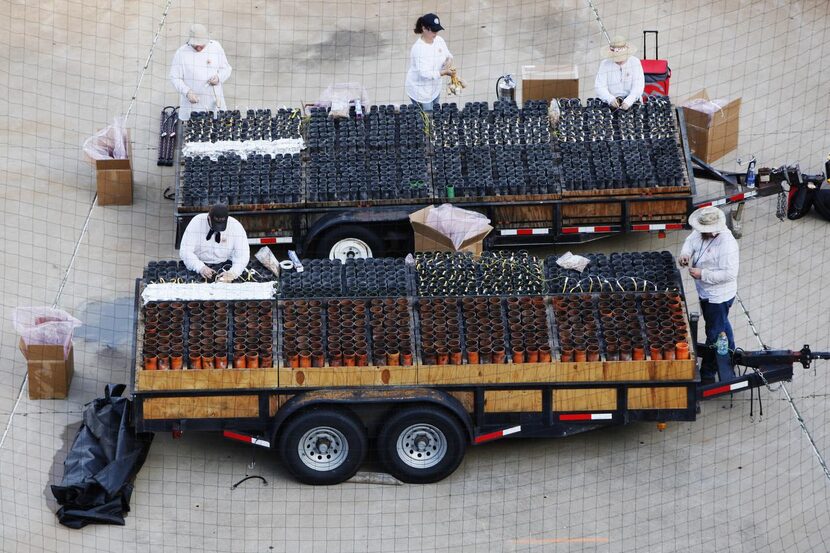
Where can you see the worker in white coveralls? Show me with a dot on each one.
(620, 80)
(210, 240)
(198, 71)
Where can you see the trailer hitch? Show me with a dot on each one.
(766, 358)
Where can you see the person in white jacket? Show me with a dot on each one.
(214, 238)
(712, 255)
(620, 80)
(199, 68)
(429, 60)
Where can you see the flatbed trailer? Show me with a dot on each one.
(378, 228)
(421, 418)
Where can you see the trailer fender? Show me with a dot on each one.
(349, 397)
(360, 217)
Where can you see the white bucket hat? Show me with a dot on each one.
(618, 50)
(198, 35)
(708, 219)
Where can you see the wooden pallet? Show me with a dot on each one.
(613, 192)
(208, 379)
(347, 376)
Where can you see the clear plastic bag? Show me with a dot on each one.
(457, 224)
(339, 96)
(45, 326)
(266, 257)
(108, 143)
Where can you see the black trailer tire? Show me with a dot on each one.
(421, 445)
(349, 240)
(333, 445)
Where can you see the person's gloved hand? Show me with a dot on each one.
(207, 272)
(625, 106)
(227, 276)
(192, 97)
(614, 103)
(683, 260)
(213, 81)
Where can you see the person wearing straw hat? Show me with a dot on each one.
(712, 256)
(620, 80)
(198, 70)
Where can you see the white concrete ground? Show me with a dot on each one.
(723, 483)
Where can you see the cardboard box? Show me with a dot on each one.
(427, 239)
(712, 128)
(546, 82)
(49, 373)
(115, 179)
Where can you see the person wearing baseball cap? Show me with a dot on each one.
(620, 80)
(198, 70)
(711, 253)
(212, 239)
(429, 61)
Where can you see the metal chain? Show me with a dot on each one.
(781, 208)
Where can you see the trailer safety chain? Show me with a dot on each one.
(799, 419)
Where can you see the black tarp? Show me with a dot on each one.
(101, 464)
(822, 203)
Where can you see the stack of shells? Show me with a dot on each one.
(302, 333)
(528, 325)
(391, 331)
(207, 336)
(163, 336)
(621, 327)
(253, 330)
(440, 331)
(578, 328)
(665, 322)
(485, 332)
(346, 335)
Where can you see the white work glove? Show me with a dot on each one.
(625, 106)
(227, 276)
(213, 81)
(614, 103)
(207, 272)
(683, 260)
(192, 97)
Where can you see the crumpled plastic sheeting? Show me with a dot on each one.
(108, 143)
(456, 224)
(571, 261)
(45, 326)
(243, 148)
(102, 463)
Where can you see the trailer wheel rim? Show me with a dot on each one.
(323, 448)
(350, 248)
(422, 446)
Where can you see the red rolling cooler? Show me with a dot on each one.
(656, 71)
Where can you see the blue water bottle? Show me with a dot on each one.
(722, 345)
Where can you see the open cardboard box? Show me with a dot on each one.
(712, 127)
(50, 373)
(427, 239)
(115, 179)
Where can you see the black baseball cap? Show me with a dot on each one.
(431, 20)
(218, 217)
